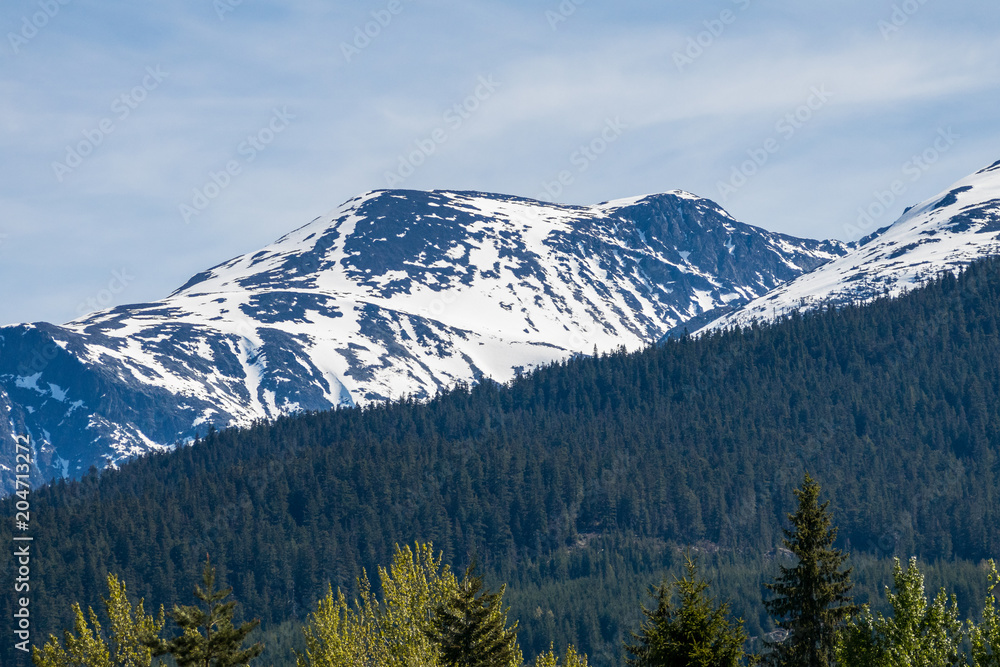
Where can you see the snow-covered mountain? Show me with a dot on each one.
(395, 293)
(944, 233)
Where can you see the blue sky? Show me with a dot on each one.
(144, 141)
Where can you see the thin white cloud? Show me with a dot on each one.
(356, 117)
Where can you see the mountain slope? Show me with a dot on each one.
(891, 406)
(395, 293)
(944, 233)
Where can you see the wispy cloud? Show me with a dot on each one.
(355, 116)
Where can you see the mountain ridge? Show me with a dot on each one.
(941, 234)
(395, 293)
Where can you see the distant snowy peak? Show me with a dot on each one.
(395, 293)
(680, 194)
(570, 276)
(944, 233)
(411, 226)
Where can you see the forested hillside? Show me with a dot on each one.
(592, 470)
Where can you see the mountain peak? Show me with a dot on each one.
(394, 293)
(993, 167)
(943, 233)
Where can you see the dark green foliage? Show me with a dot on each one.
(694, 632)
(895, 406)
(812, 597)
(208, 637)
(471, 628)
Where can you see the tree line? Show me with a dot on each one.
(586, 477)
(427, 617)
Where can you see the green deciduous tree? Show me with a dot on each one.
(89, 647)
(894, 414)
(470, 628)
(917, 634)
(694, 631)
(986, 636)
(811, 599)
(394, 632)
(550, 659)
(208, 637)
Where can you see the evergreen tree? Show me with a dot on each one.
(221, 645)
(90, 648)
(812, 598)
(470, 628)
(697, 632)
(882, 403)
(917, 634)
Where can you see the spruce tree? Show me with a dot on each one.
(208, 637)
(470, 628)
(811, 599)
(694, 632)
